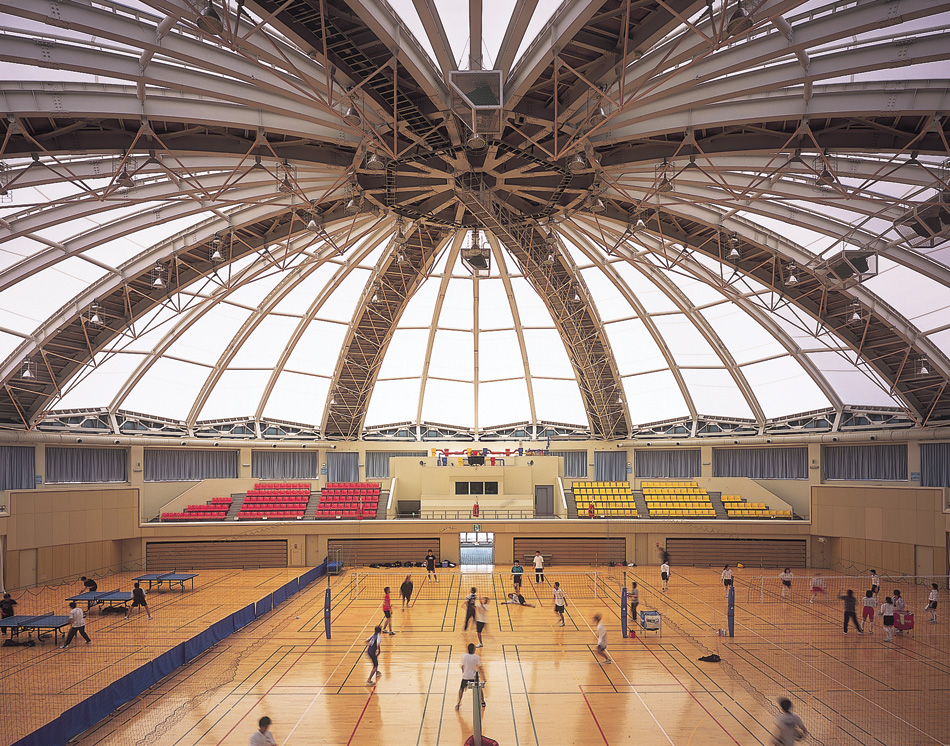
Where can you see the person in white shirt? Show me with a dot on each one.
(875, 583)
(786, 577)
(481, 618)
(601, 639)
(262, 736)
(372, 652)
(887, 619)
(538, 568)
(665, 573)
(559, 602)
(867, 611)
(78, 626)
(790, 727)
(726, 579)
(471, 664)
(932, 602)
(817, 587)
(518, 600)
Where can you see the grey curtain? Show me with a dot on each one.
(17, 467)
(761, 463)
(343, 467)
(86, 465)
(575, 463)
(285, 464)
(935, 464)
(865, 463)
(610, 466)
(190, 466)
(377, 462)
(675, 463)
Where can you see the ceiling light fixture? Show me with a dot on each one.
(476, 141)
(599, 116)
(125, 179)
(597, 206)
(374, 162)
(158, 275)
(826, 178)
(740, 22)
(92, 317)
(856, 315)
(28, 371)
(577, 163)
(209, 21)
(665, 185)
(352, 206)
(735, 247)
(922, 366)
(791, 274)
(352, 116)
(549, 259)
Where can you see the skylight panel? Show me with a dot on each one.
(531, 308)
(543, 12)
(503, 403)
(393, 401)
(421, 307)
(408, 15)
(263, 347)
(341, 304)
(406, 354)
(499, 356)
(15, 250)
(8, 343)
(168, 389)
(558, 401)
(236, 393)
(607, 297)
(494, 309)
(318, 349)
(298, 398)
(852, 384)
(457, 308)
(782, 387)
(941, 340)
(634, 348)
(449, 402)
(98, 387)
(685, 342)
(205, 339)
(453, 355)
(496, 15)
(307, 289)
(454, 15)
(743, 336)
(716, 393)
(924, 301)
(647, 293)
(546, 354)
(652, 397)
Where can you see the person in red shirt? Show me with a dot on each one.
(590, 510)
(387, 612)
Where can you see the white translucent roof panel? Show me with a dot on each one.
(178, 383)
(558, 401)
(298, 398)
(307, 290)
(235, 394)
(99, 388)
(849, 382)
(715, 392)
(684, 340)
(252, 292)
(454, 15)
(206, 338)
(941, 339)
(542, 14)
(647, 293)
(406, 354)
(409, 16)
(531, 308)
(503, 402)
(421, 306)
(609, 300)
(742, 335)
(494, 309)
(499, 356)
(318, 349)
(698, 292)
(449, 402)
(496, 15)
(453, 355)
(924, 301)
(8, 343)
(546, 354)
(393, 401)
(653, 396)
(265, 344)
(782, 387)
(343, 300)
(634, 348)
(457, 310)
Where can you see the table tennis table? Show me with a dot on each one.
(30, 624)
(172, 578)
(104, 598)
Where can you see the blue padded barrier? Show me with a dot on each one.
(264, 605)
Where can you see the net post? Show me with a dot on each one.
(761, 588)
(596, 595)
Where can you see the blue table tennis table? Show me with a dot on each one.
(104, 598)
(172, 578)
(30, 624)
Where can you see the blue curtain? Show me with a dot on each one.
(575, 463)
(17, 467)
(86, 465)
(377, 462)
(285, 464)
(610, 466)
(677, 463)
(761, 463)
(343, 467)
(935, 464)
(865, 463)
(190, 466)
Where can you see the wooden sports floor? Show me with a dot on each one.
(545, 685)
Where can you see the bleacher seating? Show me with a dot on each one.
(348, 500)
(281, 500)
(216, 510)
(737, 507)
(611, 499)
(677, 500)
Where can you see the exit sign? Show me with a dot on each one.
(477, 527)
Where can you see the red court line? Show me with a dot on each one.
(596, 722)
(360, 718)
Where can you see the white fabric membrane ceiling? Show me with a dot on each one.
(692, 338)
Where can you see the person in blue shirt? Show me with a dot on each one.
(516, 572)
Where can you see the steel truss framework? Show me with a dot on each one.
(260, 136)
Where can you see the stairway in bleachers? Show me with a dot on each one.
(381, 509)
(571, 503)
(716, 499)
(237, 500)
(642, 509)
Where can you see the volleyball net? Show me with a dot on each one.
(914, 589)
(496, 585)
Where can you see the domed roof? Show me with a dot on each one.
(334, 220)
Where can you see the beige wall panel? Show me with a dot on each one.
(64, 530)
(874, 555)
(59, 564)
(24, 531)
(43, 529)
(313, 546)
(61, 501)
(41, 503)
(110, 524)
(903, 526)
(873, 522)
(925, 561)
(907, 553)
(78, 564)
(44, 565)
(11, 569)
